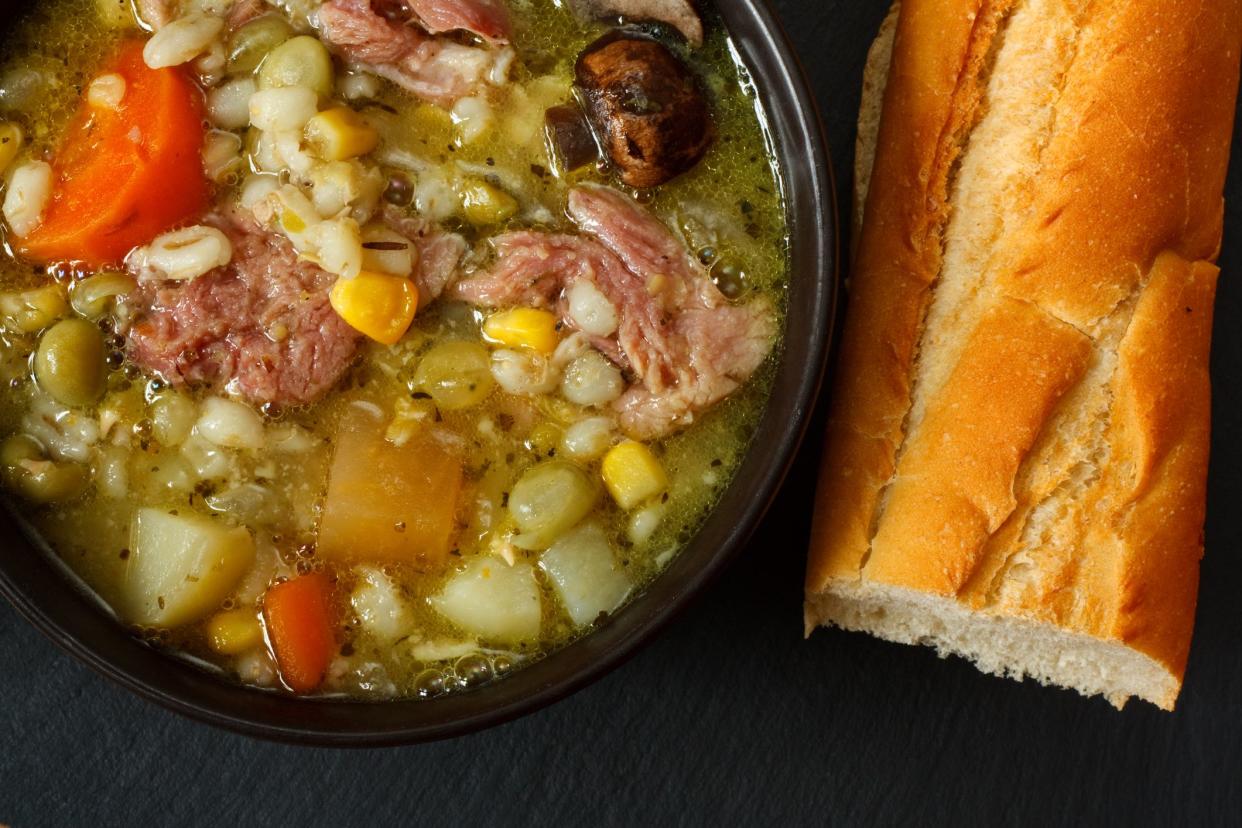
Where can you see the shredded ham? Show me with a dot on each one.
(262, 326)
(688, 347)
(434, 69)
(489, 19)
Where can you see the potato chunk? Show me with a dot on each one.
(182, 566)
(586, 574)
(495, 601)
(389, 503)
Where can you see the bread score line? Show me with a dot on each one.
(1017, 447)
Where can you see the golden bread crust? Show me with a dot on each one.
(1020, 417)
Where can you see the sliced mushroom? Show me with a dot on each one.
(680, 14)
(646, 106)
(569, 135)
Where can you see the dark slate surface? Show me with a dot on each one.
(729, 716)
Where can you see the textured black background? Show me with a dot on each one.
(729, 716)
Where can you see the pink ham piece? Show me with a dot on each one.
(262, 326)
(688, 347)
(434, 69)
(439, 252)
(680, 14)
(489, 19)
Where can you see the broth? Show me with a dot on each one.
(143, 439)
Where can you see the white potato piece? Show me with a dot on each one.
(384, 613)
(182, 566)
(495, 601)
(585, 573)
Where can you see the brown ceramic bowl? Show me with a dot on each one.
(54, 600)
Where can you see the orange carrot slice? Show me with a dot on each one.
(125, 175)
(300, 621)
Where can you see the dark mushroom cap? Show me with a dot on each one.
(647, 107)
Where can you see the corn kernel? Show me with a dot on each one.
(523, 328)
(234, 631)
(340, 133)
(483, 203)
(380, 306)
(10, 143)
(633, 474)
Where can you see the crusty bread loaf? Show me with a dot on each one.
(1018, 441)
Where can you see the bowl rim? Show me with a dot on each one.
(176, 684)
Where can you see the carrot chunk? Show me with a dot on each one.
(299, 619)
(124, 174)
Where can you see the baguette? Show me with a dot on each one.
(1017, 446)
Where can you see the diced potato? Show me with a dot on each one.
(483, 203)
(181, 566)
(495, 601)
(586, 574)
(633, 474)
(234, 632)
(387, 502)
(524, 328)
(375, 304)
(384, 613)
(340, 133)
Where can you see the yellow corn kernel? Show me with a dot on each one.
(380, 306)
(10, 143)
(633, 474)
(523, 328)
(339, 134)
(234, 631)
(483, 203)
